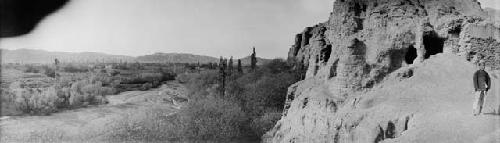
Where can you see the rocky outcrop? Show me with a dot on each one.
(364, 43)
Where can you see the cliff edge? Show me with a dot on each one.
(393, 71)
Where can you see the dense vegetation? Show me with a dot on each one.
(251, 103)
(44, 89)
(248, 106)
(225, 102)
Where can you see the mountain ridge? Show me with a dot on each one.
(25, 55)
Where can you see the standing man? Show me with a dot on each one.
(482, 84)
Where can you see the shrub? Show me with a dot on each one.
(183, 78)
(8, 103)
(212, 118)
(149, 125)
(36, 100)
(265, 122)
(104, 79)
(84, 93)
(209, 118)
(74, 69)
(31, 69)
(146, 86)
(49, 72)
(168, 75)
(199, 84)
(277, 66)
(206, 119)
(256, 95)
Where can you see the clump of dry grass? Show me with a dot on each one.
(146, 125)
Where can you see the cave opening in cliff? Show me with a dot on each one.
(410, 55)
(433, 44)
(325, 54)
(455, 32)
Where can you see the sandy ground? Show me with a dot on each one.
(441, 93)
(91, 121)
(434, 105)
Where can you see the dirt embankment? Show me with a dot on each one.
(94, 122)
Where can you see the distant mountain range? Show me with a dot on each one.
(42, 56)
(176, 58)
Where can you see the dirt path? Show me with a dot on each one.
(92, 121)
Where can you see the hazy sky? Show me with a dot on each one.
(207, 27)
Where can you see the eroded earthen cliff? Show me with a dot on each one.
(364, 43)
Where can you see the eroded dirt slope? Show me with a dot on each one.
(426, 102)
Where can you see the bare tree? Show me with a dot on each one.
(240, 69)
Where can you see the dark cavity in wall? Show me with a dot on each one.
(333, 69)
(304, 104)
(358, 47)
(411, 55)
(455, 32)
(325, 54)
(397, 56)
(391, 130)
(316, 66)
(433, 44)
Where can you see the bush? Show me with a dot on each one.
(84, 93)
(31, 69)
(36, 100)
(199, 84)
(149, 125)
(74, 69)
(265, 122)
(49, 72)
(213, 118)
(206, 119)
(183, 78)
(168, 75)
(254, 93)
(146, 86)
(277, 66)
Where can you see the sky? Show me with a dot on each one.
(205, 27)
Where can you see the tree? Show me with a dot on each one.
(230, 67)
(253, 59)
(240, 69)
(222, 75)
(198, 67)
(56, 63)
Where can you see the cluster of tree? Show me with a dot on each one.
(70, 85)
(256, 99)
(231, 103)
(35, 97)
(226, 70)
(224, 103)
